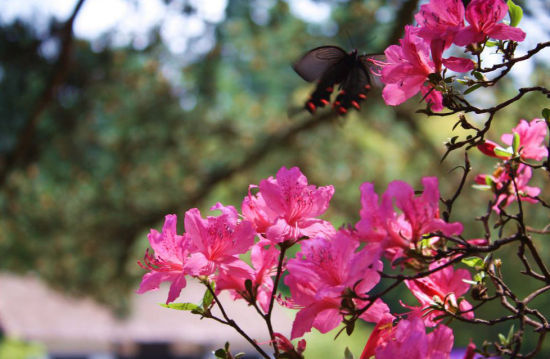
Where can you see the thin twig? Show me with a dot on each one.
(233, 324)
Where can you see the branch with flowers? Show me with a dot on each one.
(332, 275)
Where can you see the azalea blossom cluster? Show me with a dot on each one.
(331, 275)
(512, 175)
(417, 63)
(277, 237)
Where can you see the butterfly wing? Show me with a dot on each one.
(315, 63)
(354, 88)
(328, 65)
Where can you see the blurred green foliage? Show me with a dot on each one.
(16, 349)
(134, 134)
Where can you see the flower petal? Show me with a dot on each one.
(506, 32)
(397, 93)
(468, 36)
(459, 64)
(152, 280)
(178, 284)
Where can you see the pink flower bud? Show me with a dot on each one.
(488, 148)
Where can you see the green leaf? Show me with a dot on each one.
(424, 243)
(502, 339)
(515, 143)
(348, 354)
(490, 43)
(478, 277)
(472, 89)
(478, 75)
(473, 262)
(220, 353)
(434, 77)
(546, 114)
(504, 152)
(182, 306)
(482, 187)
(208, 298)
(511, 333)
(516, 13)
(350, 327)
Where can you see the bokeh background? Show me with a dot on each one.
(114, 113)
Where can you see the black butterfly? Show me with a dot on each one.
(331, 65)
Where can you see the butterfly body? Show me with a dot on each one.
(331, 66)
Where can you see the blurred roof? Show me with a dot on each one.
(32, 311)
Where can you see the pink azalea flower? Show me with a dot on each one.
(526, 192)
(433, 97)
(470, 351)
(407, 68)
(400, 232)
(379, 336)
(286, 347)
(489, 148)
(484, 18)
(408, 339)
(286, 207)
(458, 64)
(320, 274)
(504, 188)
(447, 285)
(422, 213)
(478, 242)
(374, 216)
(234, 275)
(216, 240)
(168, 264)
(439, 21)
(531, 139)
